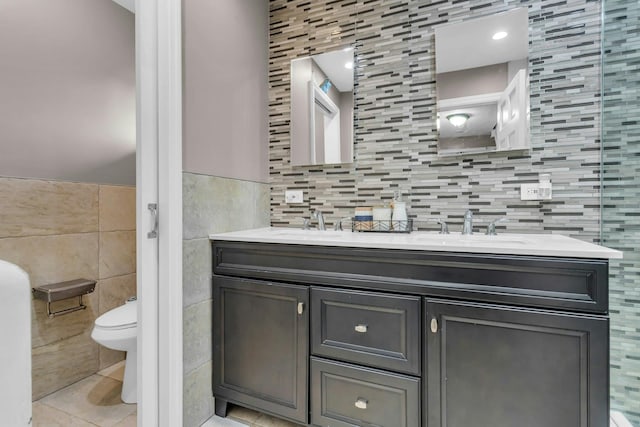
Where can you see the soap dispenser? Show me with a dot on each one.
(399, 215)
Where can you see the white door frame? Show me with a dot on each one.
(159, 180)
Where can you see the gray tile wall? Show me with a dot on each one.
(395, 133)
(621, 197)
(210, 205)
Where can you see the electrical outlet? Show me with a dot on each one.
(294, 196)
(530, 192)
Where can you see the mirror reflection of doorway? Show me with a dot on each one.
(322, 108)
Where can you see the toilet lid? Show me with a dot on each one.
(120, 317)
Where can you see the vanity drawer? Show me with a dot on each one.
(373, 329)
(344, 395)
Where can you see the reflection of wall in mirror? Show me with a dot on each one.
(300, 76)
(337, 148)
(346, 127)
(472, 81)
(478, 133)
(327, 128)
(324, 127)
(456, 87)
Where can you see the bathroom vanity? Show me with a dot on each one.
(343, 329)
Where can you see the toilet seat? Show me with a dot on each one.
(123, 317)
(117, 330)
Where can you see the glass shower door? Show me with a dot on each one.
(621, 196)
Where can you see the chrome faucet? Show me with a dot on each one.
(337, 226)
(444, 228)
(491, 228)
(467, 227)
(318, 216)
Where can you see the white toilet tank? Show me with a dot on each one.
(15, 336)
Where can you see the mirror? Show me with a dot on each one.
(322, 108)
(482, 84)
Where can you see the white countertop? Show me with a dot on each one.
(507, 244)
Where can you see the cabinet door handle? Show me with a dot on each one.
(434, 325)
(361, 328)
(300, 307)
(361, 403)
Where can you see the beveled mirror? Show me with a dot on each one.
(322, 108)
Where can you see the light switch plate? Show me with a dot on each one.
(530, 192)
(294, 196)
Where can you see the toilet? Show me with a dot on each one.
(117, 329)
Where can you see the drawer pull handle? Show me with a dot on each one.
(300, 307)
(434, 325)
(361, 403)
(361, 328)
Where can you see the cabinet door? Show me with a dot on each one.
(502, 367)
(260, 345)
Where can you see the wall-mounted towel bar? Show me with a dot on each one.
(64, 290)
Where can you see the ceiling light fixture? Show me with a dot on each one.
(458, 120)
(500, 35)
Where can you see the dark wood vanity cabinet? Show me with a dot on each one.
(368, 328)
(346, 395)
(489, 365)
(327, 337)
(260, 346)
(366, 362)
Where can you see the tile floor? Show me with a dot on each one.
(93, 401)
(242, 417)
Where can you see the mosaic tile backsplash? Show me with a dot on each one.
(621, 197)
(395, 132)
(396, 140)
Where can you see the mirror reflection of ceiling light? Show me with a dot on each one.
(347, 49)
(458, 120)
(500, 35)
(349, 65)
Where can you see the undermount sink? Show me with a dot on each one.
(474, 239)
(312, 234)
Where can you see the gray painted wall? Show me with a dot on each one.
(68, 91)
(225, 147)
(225, 46)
